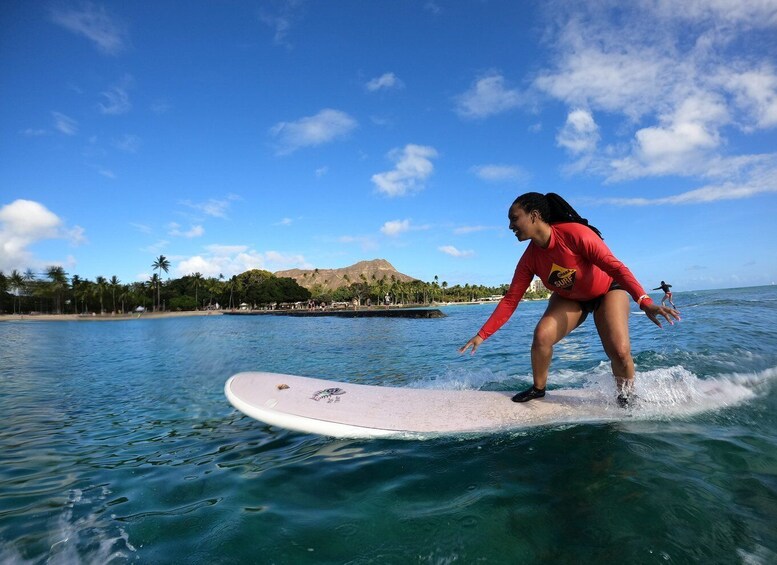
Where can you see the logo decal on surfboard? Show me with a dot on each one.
(328, 394)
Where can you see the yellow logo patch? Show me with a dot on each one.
(561, 277)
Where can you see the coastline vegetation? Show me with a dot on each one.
(56, 292)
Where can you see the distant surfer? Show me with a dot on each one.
(572, 259)
(667, 293)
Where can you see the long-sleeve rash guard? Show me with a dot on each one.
(577, 265)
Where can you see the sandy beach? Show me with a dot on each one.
(103, 317)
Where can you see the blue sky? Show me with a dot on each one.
(279, 134)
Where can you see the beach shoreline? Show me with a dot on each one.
(104, 317)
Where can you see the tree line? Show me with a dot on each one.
(54, 291)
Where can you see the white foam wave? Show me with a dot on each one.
(76, 534)
(460, 379)
(669, 392)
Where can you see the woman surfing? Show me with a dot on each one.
(572, 260)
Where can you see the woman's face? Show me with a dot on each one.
(522, 223)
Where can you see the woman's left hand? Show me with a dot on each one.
(653, 311)
(474, 343)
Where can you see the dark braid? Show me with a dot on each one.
(552, 209)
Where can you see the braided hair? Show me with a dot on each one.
(552, 209)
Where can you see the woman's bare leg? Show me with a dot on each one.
(612, 323)
(561, 317)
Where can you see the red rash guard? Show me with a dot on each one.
(576, 264)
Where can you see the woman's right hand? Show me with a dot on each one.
(653, 311)
(474, 343)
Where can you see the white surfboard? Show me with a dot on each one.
(340, 409)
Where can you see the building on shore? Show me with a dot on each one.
(537, 285)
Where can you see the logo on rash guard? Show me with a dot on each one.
(561, 277)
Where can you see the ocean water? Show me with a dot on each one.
(117, 445)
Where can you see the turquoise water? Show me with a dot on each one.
(118, 445)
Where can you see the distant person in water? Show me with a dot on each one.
(667, 293)
(572, 259)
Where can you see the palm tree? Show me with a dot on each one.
(75, 282)
(219, 287)
(16, 283)
(88, 291)
(233, 280)
(213, 286)
(28, 287)
(114, 284)
(125, 292)
(197, 281)
(365, 287)
(161, 264)
(382, 290)
(3, 289)
(153, 283)
(101, 285)
(81, 289)
(58, 278)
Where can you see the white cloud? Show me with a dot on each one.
(198, 264)
(232, 260)
(463, 230)
(395, 227)
(65, 124)
(673, 81)
(33, 132)
(498, 173)
(580, 133)
(282, 20)
(226, 249)
(382, 121)
(615, 80)
(433, 8)
(453, 252)
(755, 14)
(24, 223)
(413, 166)
(487, 97)
(194, 231)
(280, 23)
(29, 219)
(116, 99)
(755, 93)
(160, 107)
(386, 81)
(128, 143)
(142, 228)
(156, 247)
(95, 24)
(216, 208)
(365, 242)
(75, 235)
(682, 144)
(756, 175)
(328, 125)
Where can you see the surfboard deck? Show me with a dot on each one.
(340, 409)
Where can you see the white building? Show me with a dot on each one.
(536, 285)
